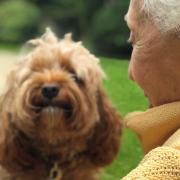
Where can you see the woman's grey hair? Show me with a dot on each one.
(164, 13)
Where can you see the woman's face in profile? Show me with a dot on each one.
(155, 59)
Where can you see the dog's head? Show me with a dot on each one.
(55, 94)
(55, 88)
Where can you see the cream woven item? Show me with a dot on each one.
(159, 132)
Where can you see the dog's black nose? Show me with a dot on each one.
(50, 90)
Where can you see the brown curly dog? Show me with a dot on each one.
(55, 120)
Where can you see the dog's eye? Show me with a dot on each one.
(78, 80)
(23, 75)
(37, 69)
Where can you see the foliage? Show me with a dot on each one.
(109, 29)
(18, 20)
(99, 24)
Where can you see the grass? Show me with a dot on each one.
(126, 97)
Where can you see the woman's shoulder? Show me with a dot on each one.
(160, 163)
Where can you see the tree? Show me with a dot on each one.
(17, 21)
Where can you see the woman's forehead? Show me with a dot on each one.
(132, 15)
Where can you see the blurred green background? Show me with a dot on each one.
(98, 23)
(126, 97)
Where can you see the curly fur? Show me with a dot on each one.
(79, 130)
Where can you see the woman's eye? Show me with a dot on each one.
(131, 39)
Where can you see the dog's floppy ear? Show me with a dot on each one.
(104, 145)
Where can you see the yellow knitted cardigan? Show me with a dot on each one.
(159, 132)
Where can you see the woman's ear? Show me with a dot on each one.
(104, 145)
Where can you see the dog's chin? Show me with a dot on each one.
(54, 108)
(53, 111)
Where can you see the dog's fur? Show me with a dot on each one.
(79, 129)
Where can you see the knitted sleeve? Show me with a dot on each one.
(160, 163)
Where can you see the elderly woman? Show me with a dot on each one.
(155, 66)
